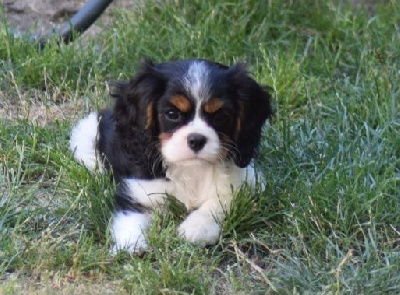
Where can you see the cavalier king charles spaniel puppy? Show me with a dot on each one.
(187, 128)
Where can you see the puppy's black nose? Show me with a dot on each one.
(196, 141)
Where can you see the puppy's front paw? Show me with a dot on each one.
(131, 244)
(200, 229)
(128, 232)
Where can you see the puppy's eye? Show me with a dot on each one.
(220, 117)
(173, 115)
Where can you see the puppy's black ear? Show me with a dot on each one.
(254, 109)
(135, 104)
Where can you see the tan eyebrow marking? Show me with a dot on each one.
(213, 105)
(181, 103)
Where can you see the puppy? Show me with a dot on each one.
(187, 128)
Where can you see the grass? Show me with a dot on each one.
(328, 220)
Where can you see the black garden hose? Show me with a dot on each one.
(78, 23)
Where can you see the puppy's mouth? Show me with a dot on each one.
(192, 162)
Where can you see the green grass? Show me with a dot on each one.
(328, 220)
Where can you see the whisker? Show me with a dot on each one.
(230, 147)
(154, 155)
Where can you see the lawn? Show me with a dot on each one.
(328, 221)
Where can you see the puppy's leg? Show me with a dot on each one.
(128, 230)
(202, 226)
(135, 201)
(148, 193)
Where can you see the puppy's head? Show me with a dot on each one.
(196, 110)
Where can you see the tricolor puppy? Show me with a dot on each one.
(186, 128)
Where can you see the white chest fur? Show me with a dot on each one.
(199, 181)
(198, 185)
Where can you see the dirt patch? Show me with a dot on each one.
(40, 16)
(36, 108)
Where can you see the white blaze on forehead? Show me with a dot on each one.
(196, 80)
